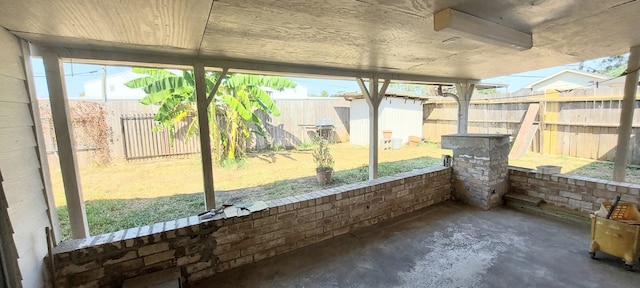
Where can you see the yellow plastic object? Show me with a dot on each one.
(624, 211)
(618, 236)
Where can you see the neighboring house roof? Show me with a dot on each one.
(578, 79)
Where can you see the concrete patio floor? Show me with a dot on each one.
(448, 245)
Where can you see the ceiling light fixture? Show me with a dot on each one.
(472, 27)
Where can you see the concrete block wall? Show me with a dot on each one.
(200, 249)
(571, 191)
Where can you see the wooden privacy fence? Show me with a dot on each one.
(129, 128)
(579, 123)
(140, 141)
(298, 119)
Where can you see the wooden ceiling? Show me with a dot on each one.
(382, 36)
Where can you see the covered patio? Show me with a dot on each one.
(451, 44)
(447, 245)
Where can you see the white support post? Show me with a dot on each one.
(464, 91)
(205, 139)
(374, 119)
(626, 115)
(373, 98)
(66, 148)
(42, 149)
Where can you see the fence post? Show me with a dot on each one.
(543, 126)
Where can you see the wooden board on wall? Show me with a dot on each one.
(11, 61)
(12, 90)
(15, 115)
(584, 146)
(13, 139)
(22, 183)
(28, 209)
(595, 142)
(602, 144)
(612, 141)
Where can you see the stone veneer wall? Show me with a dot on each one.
(199, 249)
(570, 191)
(480, 164)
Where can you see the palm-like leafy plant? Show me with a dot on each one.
(232, 115)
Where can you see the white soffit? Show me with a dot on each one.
(365, 36)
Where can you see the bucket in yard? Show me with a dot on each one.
(414, 141)
(386, 134)
(396, 143)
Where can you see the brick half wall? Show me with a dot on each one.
(571, 191)
(200, 249)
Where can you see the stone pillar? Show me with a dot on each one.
(480, 168)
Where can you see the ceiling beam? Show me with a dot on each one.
(116, 58)
(145, 59)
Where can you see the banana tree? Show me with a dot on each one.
(232, 115)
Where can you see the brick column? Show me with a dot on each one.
(480, 168)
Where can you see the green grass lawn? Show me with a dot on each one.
(125, 195)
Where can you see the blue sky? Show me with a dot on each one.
(76, 74)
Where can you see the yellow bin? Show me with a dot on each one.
(618, 236)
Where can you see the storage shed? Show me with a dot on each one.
(400, 113)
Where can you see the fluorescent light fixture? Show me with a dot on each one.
(472, 27)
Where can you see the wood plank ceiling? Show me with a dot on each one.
(384, 36)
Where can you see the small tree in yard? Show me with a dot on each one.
(322, 157)
(323, 160)
(231, 116)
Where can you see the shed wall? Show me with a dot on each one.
(20, 165)
(403, 117)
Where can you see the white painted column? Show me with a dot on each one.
(42, 149)
(374, 119)
(464, 91)
(373, 98)
(205, 139)
(626, 115)
(66, 145)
